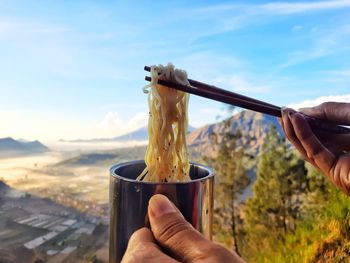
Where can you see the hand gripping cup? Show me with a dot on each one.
(129, 198)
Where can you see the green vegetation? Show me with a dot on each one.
(294, 213)
(230, 184)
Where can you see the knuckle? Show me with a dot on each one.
(173, 229)
(217, 253)
(216, 249)
(314, 152)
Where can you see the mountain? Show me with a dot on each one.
(252, 125)
(10, 147)
(4, 188)
(138, 135)
(87, 159)
(105, 158)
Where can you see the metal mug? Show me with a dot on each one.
(129, 198)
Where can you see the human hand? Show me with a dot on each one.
(170, 232)
(328, 152)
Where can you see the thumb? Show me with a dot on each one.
(335, 112)
(174, 233)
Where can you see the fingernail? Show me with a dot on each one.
(160, 205)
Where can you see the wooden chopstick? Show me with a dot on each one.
(215, 93)
(211, 88)
(222, 98)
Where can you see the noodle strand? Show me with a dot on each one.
(166, 156)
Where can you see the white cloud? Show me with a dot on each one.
(199, 117)
(50, 126)
(113, 124)
(319, 100)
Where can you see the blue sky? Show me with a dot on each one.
(74, 69)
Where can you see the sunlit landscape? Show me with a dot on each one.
(86, 179)
(72, 105)
(76, 183)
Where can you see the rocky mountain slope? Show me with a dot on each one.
(253, 127)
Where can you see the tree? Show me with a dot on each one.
(276, 202)
(231, 181)
(318, 192)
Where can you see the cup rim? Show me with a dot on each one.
(116, 166)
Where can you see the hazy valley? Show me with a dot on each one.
(49, 186)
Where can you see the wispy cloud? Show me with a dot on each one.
(296, 28)
(15, 27)
(286, 8)
(228, 17)
(239, 83)
(323, 43)
(276, 8)
(338, 73)
(223, 71)
(207, 66)
(199, 117)
(336, 76)
(320, 50)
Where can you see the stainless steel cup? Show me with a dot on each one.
(129, 198)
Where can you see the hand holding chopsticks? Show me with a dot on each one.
(330, 153)
(225, 96)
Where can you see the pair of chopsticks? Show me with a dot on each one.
(214, 93)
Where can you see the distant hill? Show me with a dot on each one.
(88, 159)
(251, 124)
(4, 188)
(138, 135)
(10, 147)
(105, 158)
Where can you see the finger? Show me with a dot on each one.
(172, 231)
(142, 236)
(142, 247)
(176, 235)
(315, 150)
(342, 171)
(334, 112)
(337, 142)
(290, 134)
